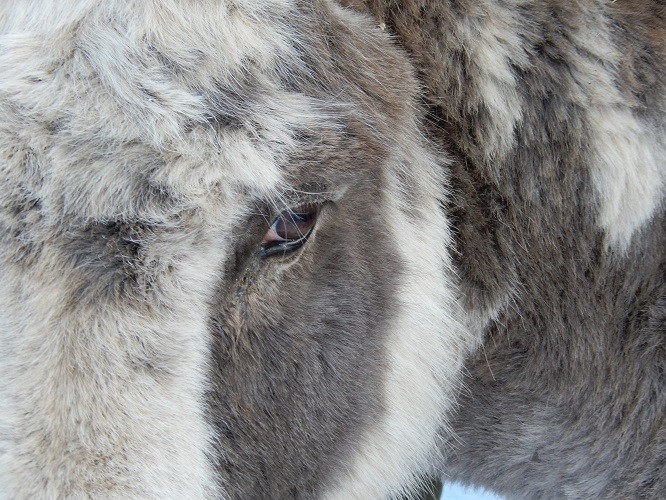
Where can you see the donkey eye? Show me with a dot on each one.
(290, 230)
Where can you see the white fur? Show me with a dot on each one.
(629, 167)
(426, 343)
(491, 38)
(628, 175)
(65, 366)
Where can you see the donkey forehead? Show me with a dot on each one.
(204, 102)
(285, 143)
(266, 131)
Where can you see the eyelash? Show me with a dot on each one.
(290, 230)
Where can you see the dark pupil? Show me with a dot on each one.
(292, 226)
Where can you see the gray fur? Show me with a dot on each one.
(482, 297)
(566, 398)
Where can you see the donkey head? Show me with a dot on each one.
(224, 260)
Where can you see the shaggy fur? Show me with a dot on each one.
(555, 114)
(148, 347)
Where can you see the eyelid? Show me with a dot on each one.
(290, 229)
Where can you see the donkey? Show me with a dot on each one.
(308, 249)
